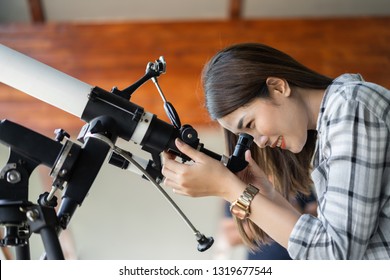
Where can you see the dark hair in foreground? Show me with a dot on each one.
(237, 75)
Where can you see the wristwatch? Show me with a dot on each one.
(241, 207)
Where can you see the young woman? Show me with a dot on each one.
(332, 134)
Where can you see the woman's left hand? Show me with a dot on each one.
(204, 176)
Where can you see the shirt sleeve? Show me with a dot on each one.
(353, 143)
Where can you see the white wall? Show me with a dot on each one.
(157, 10)
(314, 8)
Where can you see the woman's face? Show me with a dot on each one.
(281, 121)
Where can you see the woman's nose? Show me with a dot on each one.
(262, 141)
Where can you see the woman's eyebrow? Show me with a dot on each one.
(240, 122)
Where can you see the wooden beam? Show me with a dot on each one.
(235, 9)
(36, 11)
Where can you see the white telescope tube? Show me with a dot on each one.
(43, 82)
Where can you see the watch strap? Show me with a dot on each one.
(241, 207)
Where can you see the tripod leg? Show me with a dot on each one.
(52, 244)
(43, 220)
(22, 252)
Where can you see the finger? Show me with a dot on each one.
(188, 150)
(170, 183)
(248, 157)
(176, 189)
(167, 155)
(252, 164)
(173, 165)
(254, 169)
(167, 173)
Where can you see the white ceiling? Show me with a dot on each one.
(160, 10)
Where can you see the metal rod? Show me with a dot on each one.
(162, 191)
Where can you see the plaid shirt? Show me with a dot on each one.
(351, 176)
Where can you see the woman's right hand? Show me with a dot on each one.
(203, 176)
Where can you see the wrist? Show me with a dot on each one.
(232, 188)
(241, 207)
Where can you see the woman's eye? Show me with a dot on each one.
(249, 125)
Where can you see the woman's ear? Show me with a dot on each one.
(278, 86)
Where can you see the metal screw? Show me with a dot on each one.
(61, 134)
(32, 215)
(13, 177)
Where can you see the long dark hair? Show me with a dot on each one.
(237, 74)
(232, 79)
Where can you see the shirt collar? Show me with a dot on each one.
(335, 86)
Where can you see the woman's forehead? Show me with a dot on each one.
(235, 120)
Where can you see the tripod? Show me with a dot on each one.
(75, 165)
(71, 164)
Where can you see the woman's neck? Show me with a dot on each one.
(312, 99)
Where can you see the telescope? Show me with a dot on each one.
(108, 116)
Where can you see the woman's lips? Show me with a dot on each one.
(280, 143)
(283, 144)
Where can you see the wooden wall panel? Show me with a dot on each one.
(117, 53)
